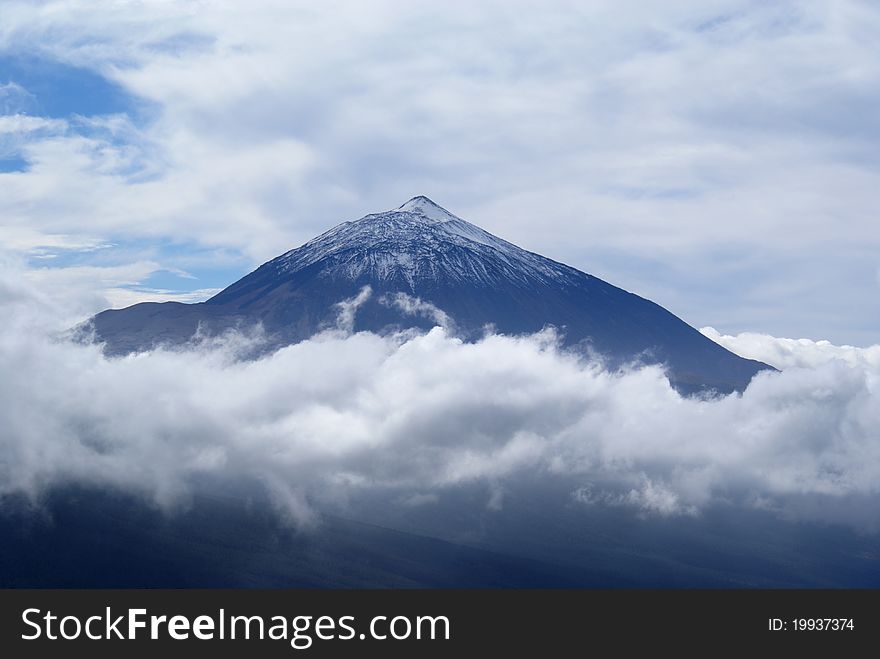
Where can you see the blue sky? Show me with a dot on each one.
(717, 157)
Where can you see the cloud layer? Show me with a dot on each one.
(799, 353)
(416, 415)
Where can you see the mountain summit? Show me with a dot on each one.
(422, 263)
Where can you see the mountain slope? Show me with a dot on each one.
(420, 253)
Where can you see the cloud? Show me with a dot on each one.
(417, 416)
(794, 353)
(76, 291)
(649, 497)
(419, 499)
(347, 309)
(21, 123)
(14, 99)
(415, 306)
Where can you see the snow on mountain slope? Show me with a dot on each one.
(422, 241)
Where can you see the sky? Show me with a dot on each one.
(718, 157)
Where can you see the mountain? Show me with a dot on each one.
(424, 265)
(86, 537)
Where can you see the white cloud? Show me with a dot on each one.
(78, 292)
(418, 415)
(28, 240)
(14, 99)
(794, 353)
(415, 306)
(347, 309)
(649, 497)
(20, 123)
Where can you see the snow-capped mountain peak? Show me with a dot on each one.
(423, 206)
(421, 241)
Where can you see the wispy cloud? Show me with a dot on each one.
(794, 353)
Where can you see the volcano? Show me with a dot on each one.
(417, 266)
